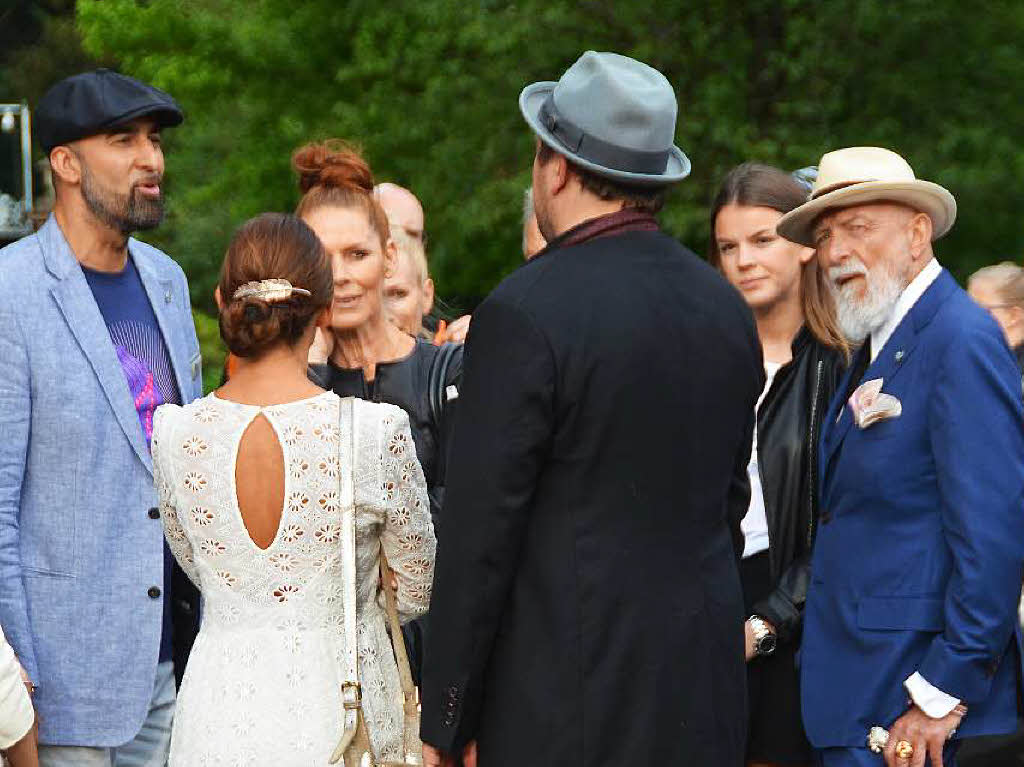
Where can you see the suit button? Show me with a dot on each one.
(154, 592)
(154, 513)
(824, 517)
(992, 667)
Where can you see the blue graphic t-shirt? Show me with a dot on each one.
(143, 355)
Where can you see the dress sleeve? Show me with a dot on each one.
(16, 714)
(163, 476)
(408, 536)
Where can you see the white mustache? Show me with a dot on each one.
(848, 269)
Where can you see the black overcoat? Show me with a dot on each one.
(587, 607)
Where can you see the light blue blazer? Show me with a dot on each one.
(920, 547)
(78, 549)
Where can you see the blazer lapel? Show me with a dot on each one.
(891, 359)
(166, 306)
(77, 305)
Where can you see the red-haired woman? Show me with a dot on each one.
(371, 358)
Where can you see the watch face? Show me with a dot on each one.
(766, 646)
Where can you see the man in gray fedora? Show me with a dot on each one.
(588, 610)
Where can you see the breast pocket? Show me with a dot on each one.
(881, 430)
(901, 614)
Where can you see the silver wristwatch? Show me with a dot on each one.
(765, 640)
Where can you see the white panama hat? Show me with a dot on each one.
(861, 175)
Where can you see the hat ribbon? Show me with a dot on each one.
(595, 150)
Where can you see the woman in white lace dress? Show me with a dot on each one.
(248, 479)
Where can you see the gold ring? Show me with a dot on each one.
(905, 749)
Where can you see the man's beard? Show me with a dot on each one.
(859, 317)
(541, 213)
(126, 213)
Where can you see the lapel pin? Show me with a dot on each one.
(899, 356)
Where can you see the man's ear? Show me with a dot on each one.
(428, 295)
(920, 236)
(559, 168)
(1016, 314)
(66, 164)
(216, 298)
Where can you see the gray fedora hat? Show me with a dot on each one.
(614, 116)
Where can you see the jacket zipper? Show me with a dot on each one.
(812, 463)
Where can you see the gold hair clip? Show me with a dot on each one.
(269, 291)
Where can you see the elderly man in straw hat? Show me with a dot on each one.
(910, 623)
(587, 610)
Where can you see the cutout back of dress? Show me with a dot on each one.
(260, 481)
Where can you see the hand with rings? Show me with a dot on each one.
(916, 739)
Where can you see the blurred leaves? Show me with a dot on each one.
(429, 89)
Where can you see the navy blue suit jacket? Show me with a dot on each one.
(918, 559)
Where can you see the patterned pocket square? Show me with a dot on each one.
(869, 405)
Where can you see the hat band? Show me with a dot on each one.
(597, 151)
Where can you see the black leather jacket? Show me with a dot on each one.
(406, 383)
(788, 429)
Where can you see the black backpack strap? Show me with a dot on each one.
(437, 382)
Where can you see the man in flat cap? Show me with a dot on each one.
(587, 608)
(911, 618)
(95, 333)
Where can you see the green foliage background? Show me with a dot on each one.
(429, 88)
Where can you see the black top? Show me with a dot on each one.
(589, 610)
(406, 383)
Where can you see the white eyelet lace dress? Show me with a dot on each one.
(262, 686)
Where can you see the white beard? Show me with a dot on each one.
(859, 317)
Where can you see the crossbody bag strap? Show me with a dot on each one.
(397, 641)
(351, 691)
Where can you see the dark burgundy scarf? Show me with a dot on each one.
(620, 222)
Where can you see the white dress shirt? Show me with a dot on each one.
(904, 304)
(930, 699)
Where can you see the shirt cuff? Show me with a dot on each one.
(933, 701)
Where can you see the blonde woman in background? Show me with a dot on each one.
(408, 290)
(1000, 289)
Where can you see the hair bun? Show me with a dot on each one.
(272, 246)
(332, 163)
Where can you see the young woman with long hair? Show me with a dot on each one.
(804, 355)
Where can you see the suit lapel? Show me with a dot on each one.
(890, 360)
(79, 309)
(166, 306)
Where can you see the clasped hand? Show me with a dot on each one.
(928, 736)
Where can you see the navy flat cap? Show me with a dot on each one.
(93, 102)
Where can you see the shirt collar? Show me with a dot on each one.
(907, 299)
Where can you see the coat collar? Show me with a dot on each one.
(890, 360)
